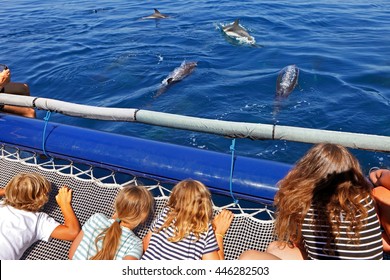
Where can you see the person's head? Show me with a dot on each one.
(190, 209)
(133, 205)
(325, 168)
(27, 191)
(329, 177)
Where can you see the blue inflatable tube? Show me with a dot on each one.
(253, 179)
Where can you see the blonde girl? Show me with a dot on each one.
(325, 210)
(184, 229)
(22, 223)
(102, 238)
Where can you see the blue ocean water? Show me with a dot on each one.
(101, 53)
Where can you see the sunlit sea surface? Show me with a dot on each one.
(102, 53)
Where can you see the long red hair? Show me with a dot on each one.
(329, 179)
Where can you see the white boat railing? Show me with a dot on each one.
(254, 131)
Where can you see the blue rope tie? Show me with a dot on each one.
(232, 149)
(46, 118)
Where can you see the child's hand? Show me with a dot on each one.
(64, 196)
(71, 227)
(222, 221)
(380, 177)
(374, 175)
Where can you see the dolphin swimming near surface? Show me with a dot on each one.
(178, 74)
(287, 80)
(156, 15)
(285, 84)
(236, 31)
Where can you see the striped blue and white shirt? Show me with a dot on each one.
(369, 247)
(129, 245)
(189, 248)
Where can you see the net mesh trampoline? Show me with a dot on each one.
(95, 189)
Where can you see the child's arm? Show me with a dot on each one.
(75, 244)
(2, 192)
(386, 242)
(380, 177)
(381, 197)
(146, 240)
(71, 227)
(130, 258)
(221, 224)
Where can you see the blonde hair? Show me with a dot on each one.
(133, 205)
(27, 191)
(328, 178)
(190, 210)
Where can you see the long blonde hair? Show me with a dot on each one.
(133, 205)
(27, 191)
(190, 210)
(328, 178)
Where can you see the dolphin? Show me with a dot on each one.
(287, 80)
(156, 15)
(285, 84)
(178, 74)
(236, 31)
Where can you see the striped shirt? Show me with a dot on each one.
(129, 245)
(186, 249)
(369, 246)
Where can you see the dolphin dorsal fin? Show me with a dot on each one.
(236, 22)
(156, 11)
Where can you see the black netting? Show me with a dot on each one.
(91, 196)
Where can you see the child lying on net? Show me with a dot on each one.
(324, 210)
(102, 238)
(185, 229)
(22, 223)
